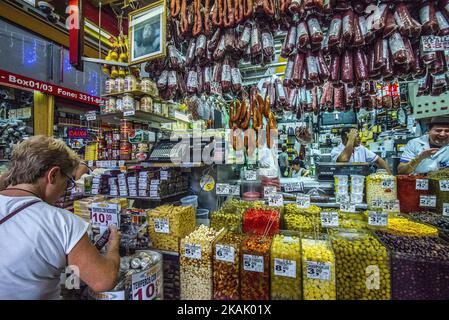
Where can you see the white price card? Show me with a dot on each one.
(253, 263)
(161, 225)
(392, 205)
(234, 190)
(388, 184)
(146, 285)
(444, 185)
(129, 113)
(283, 137)
(377, 203)
(378, 219)
(294, 187)
(250, 175)
(121, 163)
(318, 270)
(268, 191)
(276, 200)
(91, 116)
(285, 268)
(192, 251)
(446, 209)
(164, 175)
(347, 207)
(105, 214)
(222, 189)
(428, 201)
(432, 201)
(90, 163)
(422, 184)
(342, 198)
(303, 201)
(329, 219)
(225, 253)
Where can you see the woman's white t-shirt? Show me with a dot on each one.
(33, 248)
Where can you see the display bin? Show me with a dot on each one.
(440, 188)
(286, 266)
(404, 226)
(318, 269)
(196, 263)
(380, 185)
(168, 224)
(227, 267)
(255, 268)
(303, 220)
(410, 189)
(419, 267)
(261, 221)
(172, 283)
(362, 266)
(229, 216)
(436, 220)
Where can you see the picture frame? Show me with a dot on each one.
(147, 33)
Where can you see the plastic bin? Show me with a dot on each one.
(190, 201)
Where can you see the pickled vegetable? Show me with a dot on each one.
(362, 266)
(318, 263)
(255, 268)
(224, 219)
(286, 268)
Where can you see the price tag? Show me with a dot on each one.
(250, 175)
(303, 201)
(283, 137)
(388, 184)
(145, 285)
(392, 205)
(347, 207)
(446, 209)
(444, 185)
(253, 263)
(223, 189)
(276, 200)
(215, 88)
(164, 175)
(268, 191)
(192, 251)
(225, 253)
(234, 190)
(329, 219)
(422, 184)
(129, 113)
(121, 163)
(378, 219)
(105, 214)
(91, 116)
(377, 203)
(432, 201)
(294, 187)
(285, 268)
(342, 198)
(318, 270)
(161, 225)
(90, 163)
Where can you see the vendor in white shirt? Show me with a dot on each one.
(350, 150)
(429, 152)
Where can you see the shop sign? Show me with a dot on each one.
(77, 133)
(9, 78)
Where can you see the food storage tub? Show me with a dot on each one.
(362, 262)
(261, 221)
(167, 224)
(255, 268)
(229, 219)
(202, 217)
(341, 184)
(440, 188)
(286, 267)
(190, 201)
(380, 185)
(196, 263)
(419, 267)
(227, 267)
(318, 265)
(304, 220)
(410, 188)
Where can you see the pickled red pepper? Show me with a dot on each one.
(410, 188)
(255, 268)
(261, 222)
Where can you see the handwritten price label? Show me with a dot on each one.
(253, 263)
(422, 184)
(378, 219)
(225, 253)
(319, 270)
(192, 251)
(329, 219)
(285, 268)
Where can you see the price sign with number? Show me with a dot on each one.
(285, 268)
(329, 219)
(121, 163)
(342, 198)
(129, 113)
(145, 285)
(318, 270)
(253, 263)
(223, 189)
(105, 214)
(422, 184)
(347, 206)
(91, 116)
(161, 225)
(294, 187)
(250, 175)
(388, 184)
(432, 201)
(377, 203)
(378, 219)
(268, 191)
(444, 185)
(303, 201)
(427, 201)
(192, 251)
(234, 190)
(446, 209)
(276, 200)
(225, 253)
(392, 205)
(283, 137)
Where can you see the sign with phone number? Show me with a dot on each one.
(48, 88)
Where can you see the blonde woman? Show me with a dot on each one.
(38, 240)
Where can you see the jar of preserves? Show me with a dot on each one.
(130, 83)
(119, 85)
(128, 102)
(380, 186)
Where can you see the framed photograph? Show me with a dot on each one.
(147, 33)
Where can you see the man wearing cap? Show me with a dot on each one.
(429, 152)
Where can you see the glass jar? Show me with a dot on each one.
(111, 105)
(119, 105)
(145, 85)
(380, 186)
(109, 86)
(130, 83)
(128, 102)
(146, 104)
(119, 85)
(358, 254)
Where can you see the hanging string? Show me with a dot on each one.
(99, 28)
